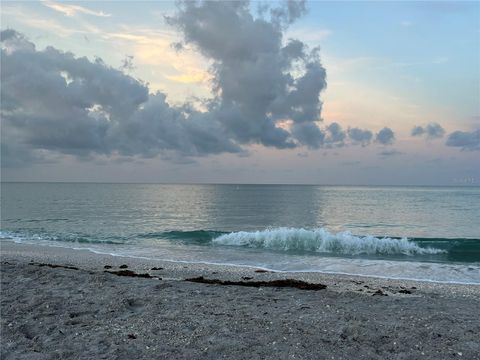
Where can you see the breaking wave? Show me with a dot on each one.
(288, 240)
(322, 241)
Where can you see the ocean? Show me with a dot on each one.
(421, 233)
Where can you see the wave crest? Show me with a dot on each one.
(320, 240)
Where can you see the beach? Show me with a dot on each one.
(65, 303)
(284, 179)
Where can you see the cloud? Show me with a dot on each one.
(336, 135)
(13, 41)
(288, 12)
(36, 21)
(266, 90)
(17, 155)
(418, 131)
(432, 131)
(72, 10)
(393, 152)
(385, 136)
(53, 101)
(127, 63)
(465, 140)
(313, 137)
(308, 134)
(56, 102)
(360, 136)
(255, 77)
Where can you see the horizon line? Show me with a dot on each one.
(232, 183)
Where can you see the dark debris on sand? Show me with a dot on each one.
(53, 266)
(379, 293)
(130, 273)
(291, 283)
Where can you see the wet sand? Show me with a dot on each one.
(63, 303)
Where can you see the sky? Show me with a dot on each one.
(339, 93)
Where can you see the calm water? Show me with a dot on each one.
(427, 233)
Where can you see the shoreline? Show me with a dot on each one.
(60, 301)
(92, 260)
(88, 256)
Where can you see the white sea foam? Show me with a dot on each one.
(320, 240)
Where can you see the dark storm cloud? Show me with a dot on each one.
(360, 136)
(432, 131)
(465, 140)
(54, 101)
(385, 136)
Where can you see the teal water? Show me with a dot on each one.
(426, 233)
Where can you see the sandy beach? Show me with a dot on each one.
(218, 179)
(64, 303)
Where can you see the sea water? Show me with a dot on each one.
(423, 233)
